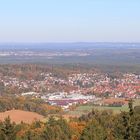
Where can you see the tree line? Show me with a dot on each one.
(27, 104)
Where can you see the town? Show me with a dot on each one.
(74, 88)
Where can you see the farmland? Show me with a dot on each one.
(83, 109)
(19, 116)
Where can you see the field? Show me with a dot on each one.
(18, 115)
(83, 109)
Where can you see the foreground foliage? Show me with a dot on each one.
(97, 125)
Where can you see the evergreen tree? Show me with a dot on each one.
(7, 129)
(57, 130)
(93, 131)
(125, 124)
(137, 132)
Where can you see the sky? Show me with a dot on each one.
(69, 20)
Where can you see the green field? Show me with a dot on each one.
(83, 109)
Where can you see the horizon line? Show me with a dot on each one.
(63, 42)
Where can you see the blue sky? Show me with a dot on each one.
(69, 20)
